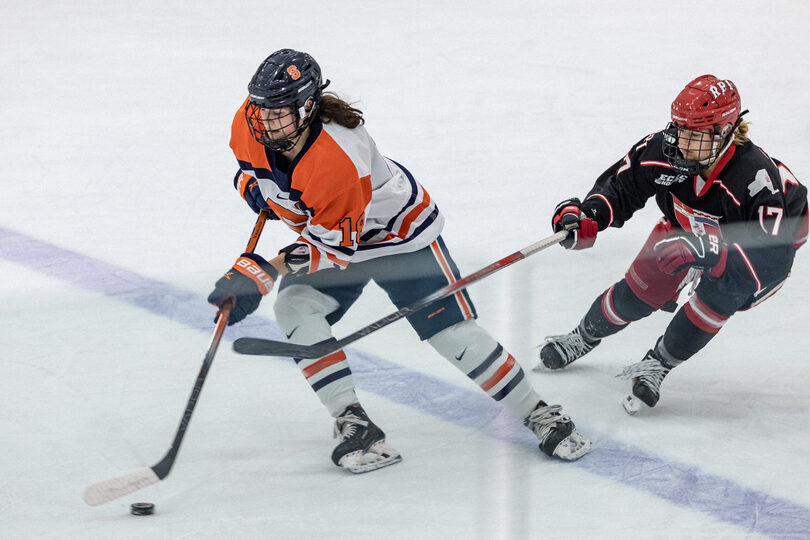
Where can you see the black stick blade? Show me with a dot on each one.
(267, 347)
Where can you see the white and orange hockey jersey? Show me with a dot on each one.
(346, 200)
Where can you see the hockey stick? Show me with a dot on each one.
(266, 347)
(108, 490)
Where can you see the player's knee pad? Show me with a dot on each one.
(612, 311)
(653, 286)
(629, 306)
(301, 312)
(464, 343)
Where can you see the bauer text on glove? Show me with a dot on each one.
(250, 278)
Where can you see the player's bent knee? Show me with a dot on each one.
(629, 305)
(298, 304)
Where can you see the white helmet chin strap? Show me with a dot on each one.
(302, 112)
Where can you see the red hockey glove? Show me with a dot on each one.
(568, 215)
(250, 278)
(678, 252)
(296, 257)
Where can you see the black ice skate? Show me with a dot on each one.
(556, 432)
(647, 377)
(559, 351)
(362, 446)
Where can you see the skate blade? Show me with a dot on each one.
(573, 447)
(631, 404)
(378, 456)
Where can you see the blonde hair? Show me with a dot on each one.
(741, 133)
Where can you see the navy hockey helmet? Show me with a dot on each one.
(286, 79)
(707, 109)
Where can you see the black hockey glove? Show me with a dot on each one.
(296, 258)
(568, 215)
(707, 252)
(250, 278)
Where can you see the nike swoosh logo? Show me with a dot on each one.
(283, 196)
(460, 356)
(291, 333)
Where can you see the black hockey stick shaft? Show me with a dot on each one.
(113, 488)
(268, 347)
(163, 467)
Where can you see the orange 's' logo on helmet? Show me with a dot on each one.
(294, 73)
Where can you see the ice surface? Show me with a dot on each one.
(117, 213)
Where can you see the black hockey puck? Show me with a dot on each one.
(141, 509)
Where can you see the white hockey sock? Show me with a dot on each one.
(301, 315)
(476, 353)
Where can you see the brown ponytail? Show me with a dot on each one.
(334, 109)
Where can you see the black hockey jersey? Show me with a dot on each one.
(752, 201)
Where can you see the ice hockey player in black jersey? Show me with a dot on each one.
(733, 218)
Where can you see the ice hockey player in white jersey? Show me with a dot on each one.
(733, 219)
(306, 158)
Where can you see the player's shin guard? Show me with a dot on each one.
(691, 329)
(301, 315)
(613, 310)
(470, 348)
(476, 353)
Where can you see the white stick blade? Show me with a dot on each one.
(108, 490)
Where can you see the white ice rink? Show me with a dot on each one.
(117, 214)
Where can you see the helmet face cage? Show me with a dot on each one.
(704, 116)
(287, 79)
(715, 140)
(258, 127)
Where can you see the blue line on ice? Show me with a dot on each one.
(679, 483)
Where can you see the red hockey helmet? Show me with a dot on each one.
(705, 103)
